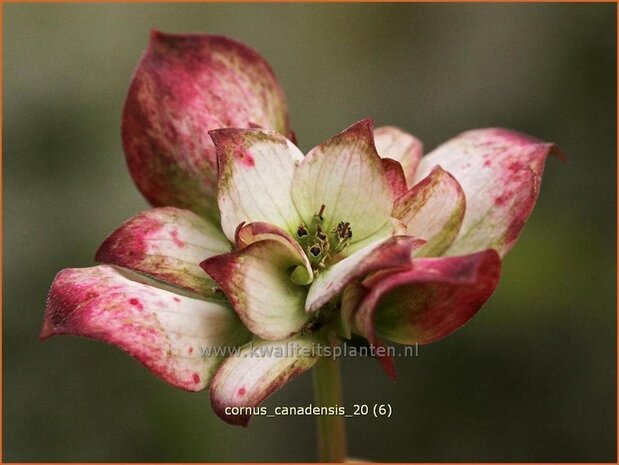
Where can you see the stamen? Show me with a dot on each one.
(302, 231)
(321, 236)
(318, 218)
(343, 235)
(343, 230)
(315, 250)
(320, 246)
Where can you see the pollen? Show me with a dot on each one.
(343, 231)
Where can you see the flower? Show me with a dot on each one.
(253, 246)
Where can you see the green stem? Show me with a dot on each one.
(330, 428)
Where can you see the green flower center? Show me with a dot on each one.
(322, 246)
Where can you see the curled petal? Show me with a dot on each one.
(392, 142)
(260, 367)
(352, 297)
(168, 244)
(166, 331)
(184, 86)
(345, 174)
(429, 301)
(258, 284)
(389, 253)
(395, 175)
(259, 231)
(500, 172)
(433, 210)
(256, 169)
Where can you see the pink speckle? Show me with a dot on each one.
(176, 299)
(196, 378)
(177, 242)
(500, 200)
(515, 166)
(241, 392)
(246, 159)
(136, 303)
(190, 350)
(128, 244)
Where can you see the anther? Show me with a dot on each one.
(315, 250)
(302, 231)
(343, 230)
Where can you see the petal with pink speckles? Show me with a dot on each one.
(244, 380)
(256, 169)
(184, 86)
(500, 172)
(345, 174)
(427, 302)
(168, 244)
(389, 253)
(392, 142)
(433, 210)
(166, 330)
(257, 281)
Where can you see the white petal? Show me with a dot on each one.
(258, 284)
(255, 170)
(345, 174)
(259, 369)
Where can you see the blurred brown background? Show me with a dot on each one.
(531, 378)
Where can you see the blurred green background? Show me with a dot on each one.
(531, 378)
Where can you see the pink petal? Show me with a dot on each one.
(433, 210)
(257, 281)
(260, 368)
(168, 244)
(500, 172)
(429, 301)
(395, 175)
(164, 330)
(389, 253)
(184, 86)
(392, 142)
(352, 297)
